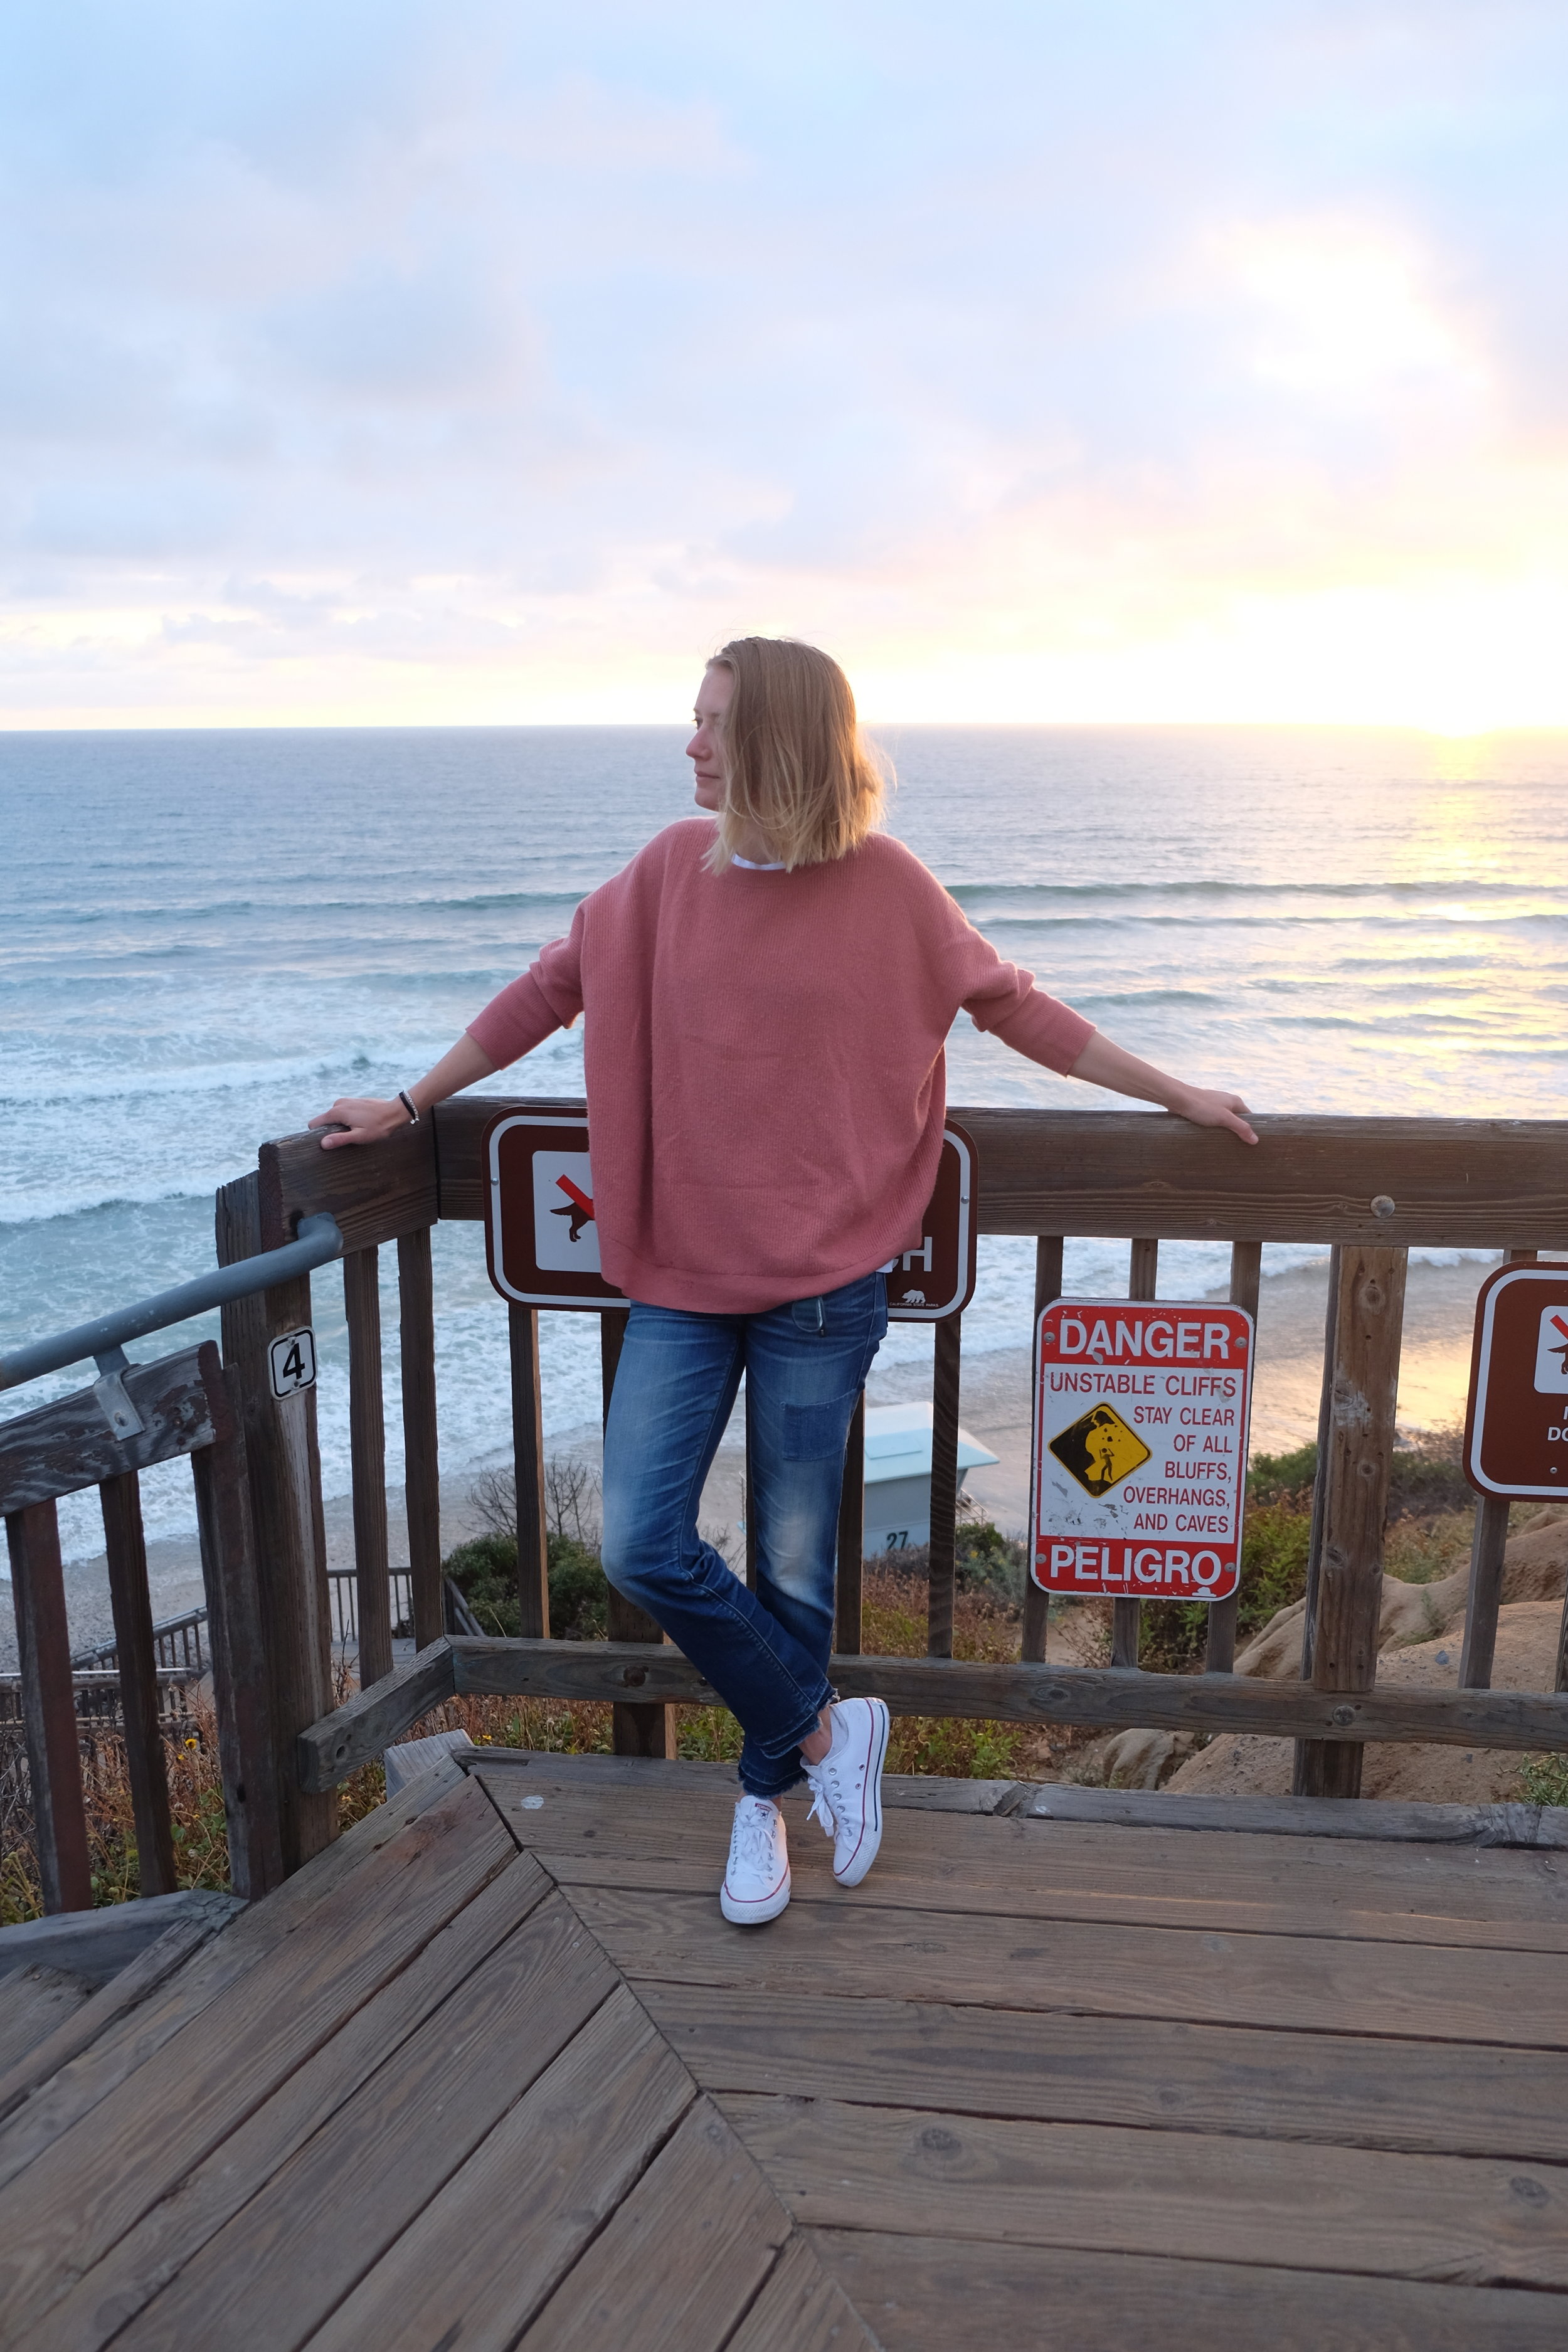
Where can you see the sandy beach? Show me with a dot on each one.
(1435, 1372)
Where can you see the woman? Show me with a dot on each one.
(768, 988)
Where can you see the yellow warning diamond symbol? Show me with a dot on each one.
(1100, 1450)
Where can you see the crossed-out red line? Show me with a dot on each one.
(572, 1192)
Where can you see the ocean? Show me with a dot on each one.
(205, 937)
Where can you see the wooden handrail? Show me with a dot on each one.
(1120, 1697)
(1454, 1184)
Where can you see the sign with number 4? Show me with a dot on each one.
(292, 1359)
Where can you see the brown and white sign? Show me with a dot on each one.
(1516, 1429)
(542, 1242)
(936, 1279)
(1140, 1469)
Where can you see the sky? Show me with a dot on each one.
(477, 361)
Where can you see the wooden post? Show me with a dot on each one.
(942, 1573)
(1036, 1603)
(367, 1452)
(1126, 1616)
(1320, 1475)
(634, 1730)
(851, 1536)
(1246, 1278)
(1369, 1313)
(284, 1473)
(421, 1471)
(528, 1475)
(246, 1756)
(136, 1657)
(1486, 1548)
(48, 1708)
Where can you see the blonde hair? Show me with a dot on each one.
(796, 767)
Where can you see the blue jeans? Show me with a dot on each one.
(765, 1653)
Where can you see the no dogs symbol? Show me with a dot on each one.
(1100, 1450)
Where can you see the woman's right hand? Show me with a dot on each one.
(360, 1121)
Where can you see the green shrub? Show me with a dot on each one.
(1425, 1476)
(1543, 1781)
(484, 1570)
(1273, 1573)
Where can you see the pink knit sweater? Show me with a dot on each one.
(764, 1062)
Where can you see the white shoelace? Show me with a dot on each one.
(821, 1807)
(753, 1839)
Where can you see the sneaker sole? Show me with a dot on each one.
(870, 1843)
(754, 1914)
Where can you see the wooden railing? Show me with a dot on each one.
(1367, 1189)
(184, 1408)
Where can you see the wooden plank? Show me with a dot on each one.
(644, 1730)
(1457, 1184)
(283, 1466)
(48, 1708)
(1355, 1910)
(128, 2043)
(1321, 1473)
(139, 2265)
(1048, 1286)
(528, 1473)
(847, 1631)
(1099, 2187)
(249, 1758)
(123, 1992)
(801, 2309)
(136, 1658)
(1104, 1694)
(564, 2157)
(947, 1339)
(1245, 1281)
(1485, 1594)
(131, 2042)
(1006, 1867)
(377, 1191)
(80, 2195)
(1368, 1317)
(685, 2252)
(671, 1816)
(1140, 2073)
(60, 1448)
(97, 1944)
(1483, 1825)
(921, 2294)
(357, 1732)
(421, 1462)
(1297, 1982)
(367, 1454)
(34, 2001)
(318, 2223)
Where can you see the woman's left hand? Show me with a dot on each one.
(1207, 1106)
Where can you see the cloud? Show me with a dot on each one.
(1069, 355)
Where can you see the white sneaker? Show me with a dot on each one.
(847, 1786)
(757, 1880)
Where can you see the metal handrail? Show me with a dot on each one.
(319, 1241)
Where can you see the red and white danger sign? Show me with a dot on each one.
(1139, 1470)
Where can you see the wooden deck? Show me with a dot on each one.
(493, 2071)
